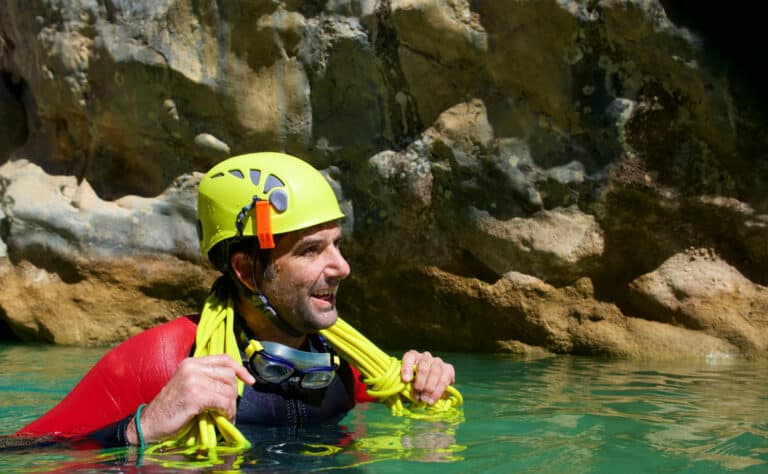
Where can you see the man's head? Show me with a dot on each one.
(301, 276)
(270, 221)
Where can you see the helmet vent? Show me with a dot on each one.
(272, 182)
(279, 200)
(217, 175)
(255, 177)
(237, 173)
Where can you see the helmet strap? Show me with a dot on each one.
(255, 296)
(259, 300)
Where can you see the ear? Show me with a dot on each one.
(242, 266)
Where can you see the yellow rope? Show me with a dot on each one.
(383, 375)
(210, 434)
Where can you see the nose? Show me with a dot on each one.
(337, 267)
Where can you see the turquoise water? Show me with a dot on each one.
(556, 414)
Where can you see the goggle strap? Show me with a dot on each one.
(253, 347)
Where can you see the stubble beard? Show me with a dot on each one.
(313, 320)
(301, 316)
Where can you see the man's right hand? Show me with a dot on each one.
(199, 383)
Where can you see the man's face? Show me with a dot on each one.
(304, 275)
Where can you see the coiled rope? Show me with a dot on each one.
(210, 434)
(382, 374)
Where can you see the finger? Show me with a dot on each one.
(409, 360)
(431, 390)
(446, 378)
(244, 375)
(422, 371)
(219, 373)
(224, 367)
(226, 388)
(195, 392)
(220, 402)
(240, 371)
(227, 406)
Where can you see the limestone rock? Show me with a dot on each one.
(698, 290)
(209, 142)
(557, 245)
(534, 164)
(54, 216)
(95, 302)
(519, 311)
(81, 270)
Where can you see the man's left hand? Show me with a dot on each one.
(433, 375)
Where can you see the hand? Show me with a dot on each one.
(432, 375)
(199, 383)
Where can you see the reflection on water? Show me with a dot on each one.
(591, 415)
(549, 415)
(379, 436)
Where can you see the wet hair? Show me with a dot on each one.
(220, 256)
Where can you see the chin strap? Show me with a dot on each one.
(260, 301)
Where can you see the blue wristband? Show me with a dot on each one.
(137, 422)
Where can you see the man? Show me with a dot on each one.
(270, 223)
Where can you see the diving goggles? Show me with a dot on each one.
(275, 363)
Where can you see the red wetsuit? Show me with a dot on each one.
(133, 373)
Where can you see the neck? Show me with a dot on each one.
(262, 326)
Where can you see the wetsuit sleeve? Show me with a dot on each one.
(113, 434)
(128, 375)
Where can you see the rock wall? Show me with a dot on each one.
(567, 176)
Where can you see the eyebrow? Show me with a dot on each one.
(309, 241)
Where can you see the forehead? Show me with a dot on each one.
(329, 231)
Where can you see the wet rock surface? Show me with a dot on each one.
(563, 176)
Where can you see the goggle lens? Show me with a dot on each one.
(272, 372)
(317, 379)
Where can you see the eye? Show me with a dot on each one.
(309, 250)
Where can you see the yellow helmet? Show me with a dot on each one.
(261, 194)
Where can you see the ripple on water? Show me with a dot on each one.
(556, 414)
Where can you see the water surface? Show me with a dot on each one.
(555, 414)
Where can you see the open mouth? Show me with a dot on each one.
(327, 296)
